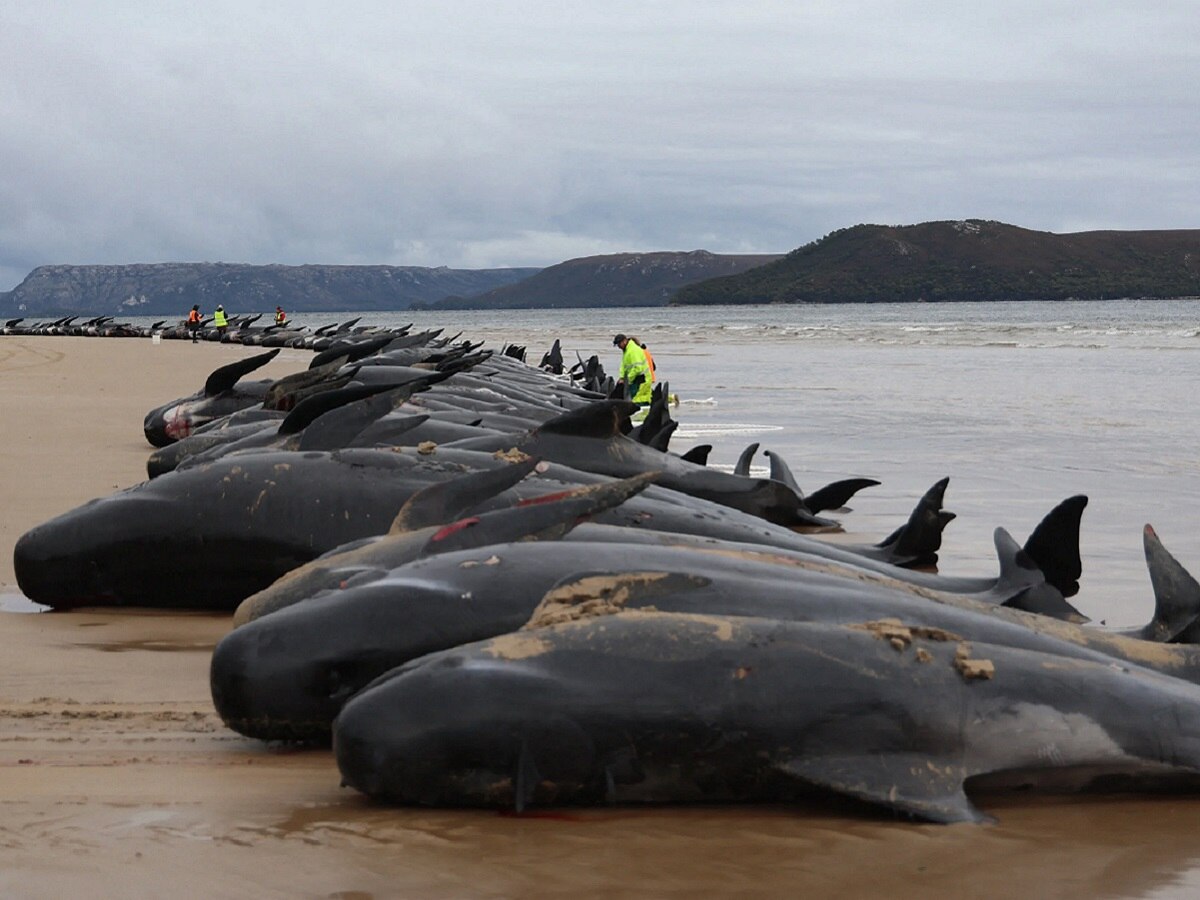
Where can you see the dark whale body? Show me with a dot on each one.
(669, 708)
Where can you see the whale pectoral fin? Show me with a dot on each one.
(525, 779)
(914, 784)
(621, 766)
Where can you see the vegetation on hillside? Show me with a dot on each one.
(966, 260)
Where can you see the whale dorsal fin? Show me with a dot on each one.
(446, 501)
(311, 408)
(742, 466)
(1044, 599)
(1176, 592)
(917, 541)
(605, 419)
(1054, 545)
(544, 518)
(338, 427)
(224, 378)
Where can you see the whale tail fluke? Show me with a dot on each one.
(917, 541)
(836, 495)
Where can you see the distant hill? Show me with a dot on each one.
(620, 279)
(966, 260)
(170, 289)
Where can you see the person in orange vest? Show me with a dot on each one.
(649, 358)
(280, 316)
(193, 322)
(635, 371)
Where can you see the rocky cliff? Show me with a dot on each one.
(170, 289)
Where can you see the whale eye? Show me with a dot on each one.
(336, 684)
(344, 679)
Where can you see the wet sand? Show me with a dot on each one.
(116, 776)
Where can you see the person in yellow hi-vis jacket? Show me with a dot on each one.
(633, 367)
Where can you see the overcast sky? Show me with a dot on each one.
(479, 134)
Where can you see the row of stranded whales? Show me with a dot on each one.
(322, 633)
(487, 587)
(240, 329)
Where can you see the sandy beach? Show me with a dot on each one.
(118, 779)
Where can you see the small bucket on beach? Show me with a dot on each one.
(156, 338)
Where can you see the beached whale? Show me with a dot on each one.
(286, 673)
(374, 557)
(662, 707)
(222, 394)
(410, 538)
(207, 535)
(593, 438)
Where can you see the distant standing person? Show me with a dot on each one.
(219, 320)
(635, 371)
(280, 316)
(193, 322)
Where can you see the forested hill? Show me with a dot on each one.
(170, 289)
(966, 260)
(619, 279)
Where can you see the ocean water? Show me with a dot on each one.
(1019, 404)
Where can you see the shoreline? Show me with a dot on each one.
(115, 771)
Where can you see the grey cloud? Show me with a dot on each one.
(472, 133)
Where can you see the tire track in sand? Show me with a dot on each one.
(14, 357)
